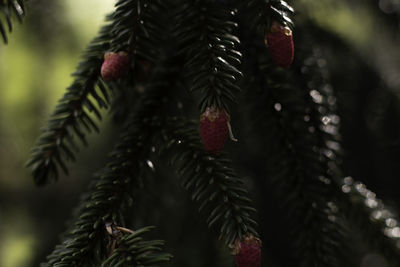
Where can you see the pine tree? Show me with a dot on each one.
(180, 77)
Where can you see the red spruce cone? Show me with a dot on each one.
(115, 65)
(280, 44)
(214, 129)
(248, 252)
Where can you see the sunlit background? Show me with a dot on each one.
(35, 69)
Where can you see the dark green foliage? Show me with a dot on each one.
(207, 34)
(208, 47)
(109, 197)
(126, 17)
(8, 10)
(263, 12)
(296, 125)
(210, 181)
(150, 30)
(134, 251)
(114, 188)
(135, 28)
(72, 116)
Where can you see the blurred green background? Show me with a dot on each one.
(35, 69)
(34, 72)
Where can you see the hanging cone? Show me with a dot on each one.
(248, 252)
(115, 65)
(214, 129)
(279, 41)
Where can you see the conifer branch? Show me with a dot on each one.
(126, 17)
(143, 45)
(207, 33)
(293, 114)
(210, 181)
(151, 28)
(135, 28)
(111, 193)
(72, 117)
(8, 10)
(134, 251)
(263, 12)
(296, 161)
(114, 186)
(381, 228)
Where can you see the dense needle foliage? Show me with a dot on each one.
(187, 56)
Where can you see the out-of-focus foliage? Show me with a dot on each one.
(8, 11)
(35, 68)
(365, 27)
